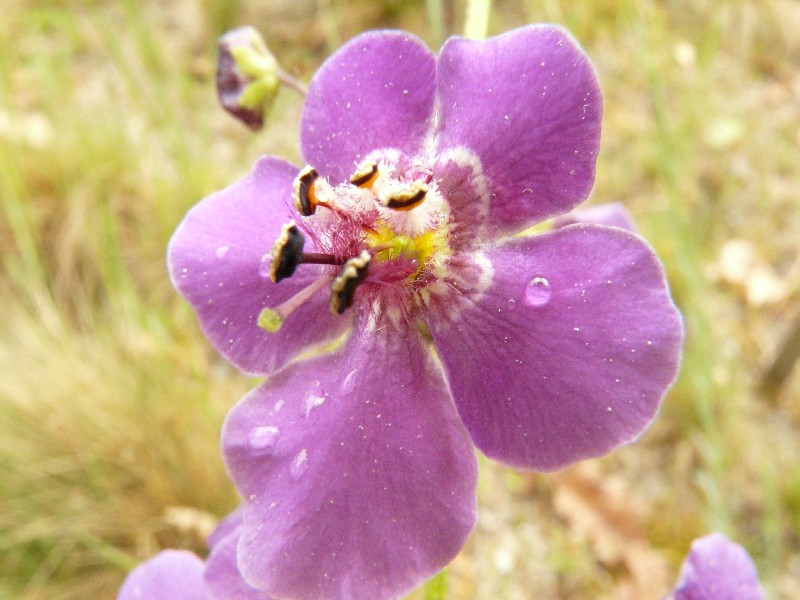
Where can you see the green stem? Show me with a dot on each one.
(476, 24)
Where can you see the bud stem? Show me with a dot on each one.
(290, 82)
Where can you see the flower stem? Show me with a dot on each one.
(476, 24)
(292, 83)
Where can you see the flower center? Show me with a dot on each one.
(381, 237)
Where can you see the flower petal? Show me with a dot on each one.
(358, 474)
(377, 91)
(613, 214)
(216, 260)
(567, 353)
(718, 568)
(225, 527)
(174, 574)
(528, 105)
(222, 574)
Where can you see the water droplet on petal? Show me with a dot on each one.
(538, 292)
(263, 438)
(313, 402)
(222, 251)
(299, 465)
(264, 264)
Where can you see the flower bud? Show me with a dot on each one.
(247, 76)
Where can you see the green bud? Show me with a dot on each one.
(247, 76)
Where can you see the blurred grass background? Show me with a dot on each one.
(111, 400)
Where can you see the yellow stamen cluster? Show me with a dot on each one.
(388, 245)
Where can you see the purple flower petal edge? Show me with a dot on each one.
(612, 214)
(225, 527)
(222, 577)
(718, 569)
(173, 574)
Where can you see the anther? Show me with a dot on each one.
(407, 197)
(365, 175)
(344, 286)
(287, 252)
(305, 197)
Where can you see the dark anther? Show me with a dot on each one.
(407, 198)
(344, 286)
(287, 252)
(365, 175)
(305, 199)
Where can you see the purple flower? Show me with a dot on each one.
(174, 574)
(718, 569)
(357, 465)
(181, 575)
(222, 577)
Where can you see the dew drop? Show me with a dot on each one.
(263, 438)
(313, 402)
(222, 251)
(264, 264)
(299, 465)
(538, 292)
